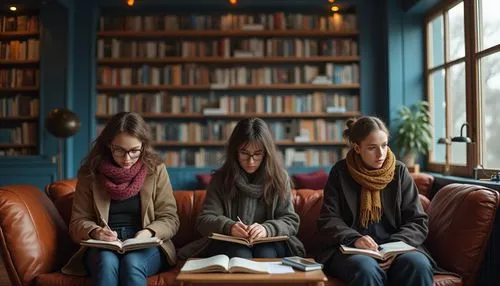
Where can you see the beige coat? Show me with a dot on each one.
(91, 203)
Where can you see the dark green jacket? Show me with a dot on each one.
(218, 215)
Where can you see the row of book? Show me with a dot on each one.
(225, 48)
(19, 105)
(162, 102)
(20, 50)
(230, 21)
(19, 77)
(23, 134)
(292, 157)
(21, 23)
(298, 130)
(15, 152)
(192, 74)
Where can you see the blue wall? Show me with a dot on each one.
(391, 42)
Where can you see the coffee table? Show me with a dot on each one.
(316, 277)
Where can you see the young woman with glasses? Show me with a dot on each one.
(250, 197)
(123, 191)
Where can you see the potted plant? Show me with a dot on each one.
(414, 132)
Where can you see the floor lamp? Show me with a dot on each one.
(62, 123)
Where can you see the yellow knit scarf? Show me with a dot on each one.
(372, 183)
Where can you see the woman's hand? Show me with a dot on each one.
(385, 265)
(256, 230)
(144, 233)
(105, 234)
(239, 229)
(366, 242)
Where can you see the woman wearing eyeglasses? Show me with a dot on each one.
(249, 197)
(123, 192)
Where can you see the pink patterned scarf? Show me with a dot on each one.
(122, 183)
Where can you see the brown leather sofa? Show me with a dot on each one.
(35, 244)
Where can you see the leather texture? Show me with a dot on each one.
(34, 240)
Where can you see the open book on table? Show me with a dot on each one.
(385, 251)
(123, 246)
(246, 241)
(222, 263)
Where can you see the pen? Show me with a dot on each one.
(239, 219)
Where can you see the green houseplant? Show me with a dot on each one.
(414, 131)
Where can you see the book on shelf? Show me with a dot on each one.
(301, 263)
(222, 263)
(385, 251)
(247, 241)
(123, 246)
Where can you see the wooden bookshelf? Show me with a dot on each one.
(222, 143)
(241, 115)
(149, 69)
(17, 146)
(21, 34)
(19, 62)
(137, 88)
(222, 60)
(19, 118)
(224, 33)
(19, 90)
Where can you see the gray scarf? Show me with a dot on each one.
(247, 197)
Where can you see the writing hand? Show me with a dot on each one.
(239, 229)
(256, 230)
(103, 233)
(144, 233)
(366, 242)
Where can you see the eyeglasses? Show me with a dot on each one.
(245, 156)
(120, 152)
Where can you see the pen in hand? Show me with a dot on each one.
(239, 219)
(106, 226)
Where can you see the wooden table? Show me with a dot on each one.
(316, 278)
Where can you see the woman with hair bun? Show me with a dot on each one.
(371, 199)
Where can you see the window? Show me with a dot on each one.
(463, 83)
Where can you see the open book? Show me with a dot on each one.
(385, 251)
(123, 246)
(222, 263)
(246, 241)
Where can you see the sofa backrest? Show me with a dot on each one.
(307, 204)
(463, 217)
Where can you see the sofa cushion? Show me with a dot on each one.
(204, 180)
(314, 181)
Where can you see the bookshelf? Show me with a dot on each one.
(192, 76)
(19, 84)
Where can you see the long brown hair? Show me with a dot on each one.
(274, 176)
(132, 124)
(358, 129)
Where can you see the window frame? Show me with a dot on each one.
(472, 84)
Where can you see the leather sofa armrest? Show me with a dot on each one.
(33, 237)
(461, 218)
(424, 183)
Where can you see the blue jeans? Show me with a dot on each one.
(110, 268)
(411, 268)
(262, 250)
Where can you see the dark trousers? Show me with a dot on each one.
(110, 268)
(410, 269)
(262, 250)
